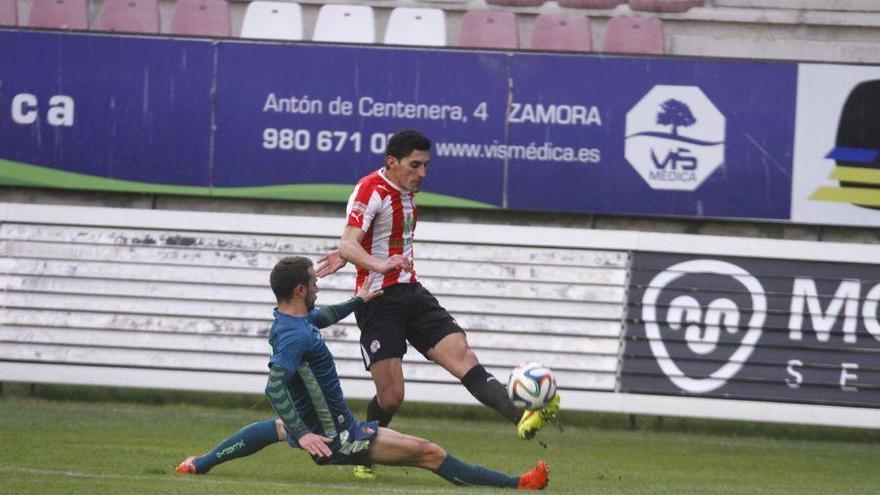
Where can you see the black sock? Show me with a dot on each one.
(488, 390)
(376, 413)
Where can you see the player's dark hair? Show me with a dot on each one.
(402, 143)
(287, 274)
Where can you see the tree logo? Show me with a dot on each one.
(675, 137)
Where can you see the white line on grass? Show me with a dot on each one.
(201, 479)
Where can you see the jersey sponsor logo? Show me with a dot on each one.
(409, 223)
(675, 138)
(357, 211)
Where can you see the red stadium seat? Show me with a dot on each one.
(624, 34)
(590, 4)
(130, 16)
(8, 12)
(517, 3)
(201, 17)
(484, 29)
(59, 14)
(664, 5)
(565, 32)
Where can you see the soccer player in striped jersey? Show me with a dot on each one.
(378, 238)
(305, 393)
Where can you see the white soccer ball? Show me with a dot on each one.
(531, 385)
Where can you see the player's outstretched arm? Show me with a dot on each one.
(325, 316)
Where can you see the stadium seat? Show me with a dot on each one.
(484, 29)
(201, 18)
(624, 34)
(273, 20)
(131, 16)
(421, 27)
(8, 12)
(345, 24)
(664, 5)
(59, 14)
(566, 32)
(590, 4)
(516, 3)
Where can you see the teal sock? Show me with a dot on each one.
(462, 473)
(245, 442)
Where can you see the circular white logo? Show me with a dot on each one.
(702, 330)
(374, 346)
(675, 137)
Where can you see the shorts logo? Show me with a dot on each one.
(701, 330)
(367, 430)
(340, 419)
(675, 137)
(374, 346)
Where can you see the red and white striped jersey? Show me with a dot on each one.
(388, 215)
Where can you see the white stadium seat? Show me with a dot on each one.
(421, 27)
(345, 24)
(273, 20)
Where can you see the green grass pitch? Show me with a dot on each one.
(109, 446)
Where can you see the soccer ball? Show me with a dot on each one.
(531, 385)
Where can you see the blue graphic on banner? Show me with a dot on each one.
(630, 135)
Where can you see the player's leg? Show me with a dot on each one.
(382, 323)
(397, 449)
(436, 335)
(244, 442)
(434, 332)
(454, 355)
(387, 376)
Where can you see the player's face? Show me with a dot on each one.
(409, 172)
(312, 290)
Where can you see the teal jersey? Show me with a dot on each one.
(311, 380)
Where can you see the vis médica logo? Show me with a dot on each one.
(857, 150)
(675, 137)
(718, 327)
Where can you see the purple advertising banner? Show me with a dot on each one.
(652, 136)
(104, 107)
(323, 114)
(525, 131)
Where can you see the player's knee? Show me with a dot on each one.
(431, 454)
(390, 399)
(469, 358)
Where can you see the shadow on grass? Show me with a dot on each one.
(581, 419)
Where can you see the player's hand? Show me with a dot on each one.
(363, 291)
(329, 264)
(315, 445)
(397, 262)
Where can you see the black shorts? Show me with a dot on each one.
(405, 313)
